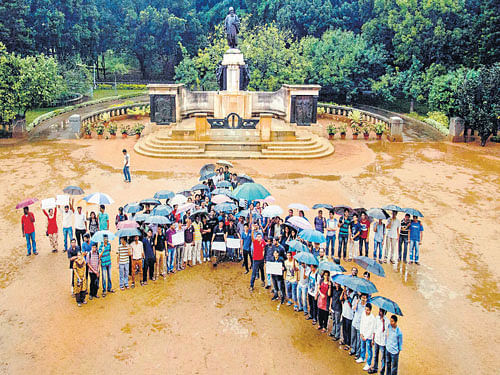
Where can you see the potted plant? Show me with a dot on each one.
(343, 130)
(112, 130)
(366, 130)
(87, 131)
(105, 117)
(99, 129)
(355, 117)
(138, 128)
(331, 129)
(124, 131)
(379, 129)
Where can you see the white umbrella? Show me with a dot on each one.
(225, 163)
(177, 199)
(298, 206)
(185, 207)
(221, 199)
(272, 211)
(99, 198)
(300, 222)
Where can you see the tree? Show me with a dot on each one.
(14, 33)
(443, 92)
(306, 17)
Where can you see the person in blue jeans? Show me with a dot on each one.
(302, 287)
(67, 224)
(126, 166)
(331, 234)
(415, 232)
(105, 255)
(366, 333)
(344, 234)
(378, 239)
(28, 229)
(393, 346)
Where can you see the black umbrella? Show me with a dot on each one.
(339, 210)
(186, 193)
(243, 179)
(150, 201)
(207, 169)
(323, 205)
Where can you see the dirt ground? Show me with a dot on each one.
(204, 320)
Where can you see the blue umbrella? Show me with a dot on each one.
(206, 176)
(306, 258)
(200, 187)
(355, 283)
(162, 210)
(298, 246)
(225, 207)
(244, 179)
(128, 232)
(223, 184)
(246, 213)
(377, 213)
(99, 236)
(370, 265)
(312, 235)
(330, 266)
(206, 169)
(413, 212)
(223, 191)
(323, 205)
(156, 219)
(251, 192)
(386, 304)
(73, 190)
(140, 217)
(186, 193)
(164, 194)
(150, 201)
(392, 207)
(132, 208)
(98, 198)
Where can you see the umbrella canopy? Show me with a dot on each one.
(206, 176)
(127, 224)
(141, 217)
(206, 169)
(26, 203)
(251, 192)
(217, 199)
(246, 213)
(164, 194)
(162, 210)
(99, 198)
(297, 246)
(156, 219)
(332, 267)
(132, 208)
(225, 163)
(355, 283)
(298, 206)
(269, 200)
(312, 235)
(244, 179)
(413, 212)
(150, 201)
(339, 210)
(272, 211)
(323, 205)
(178, 199)
(370, 265)
(223, 191)
(186, 193)
(200, 187)
(73, 190)
(377, 213)
(99, 236)
(306, 258)
(386, 304)
(225, 207)
(223, 184)
(300, 222)
(359, 210)
(392, 207)
(128, 232)
(198, 213)
(185, 207)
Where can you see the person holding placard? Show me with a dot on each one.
(278, 281)
(219, 242)
(52, 230)
(232, 233)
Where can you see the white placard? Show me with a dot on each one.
(331, 225)
(48, 203)
(62, 200)
(233, 243)
(218, 246)
(274, 268)
(178, 238)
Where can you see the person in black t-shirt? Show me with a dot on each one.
(159, 245)
(403, 237)
(206, 238)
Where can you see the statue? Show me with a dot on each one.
(231, 26)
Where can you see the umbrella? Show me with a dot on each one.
(386, 304)
(99, 236)
(162, 210)
(206, 176)
(272, 211)
(359, 210)
(156, 219)
(339, 210)
(413, 212)
(217, 199)
(198, 213)
(141, 217)
(297, 246)
(223, 184)
(269, 200)
(127, 224)
(227, 192)
(185, 207)
(377, 213)
(306, 258)
(355, 283)
(73, 190)
(26, 203)
(392, 207)
(298, 206)
(206, 169)
(300, 222)
(251, 192)
(370, 265)
(128, 232)
(323, 205)
(246, 213)
(164, 194)
(312, 235)
(98, 198)
(225, 163)
(225, 207)
(200, 187)
(244, 179)
(150, 201)
(186, 193)
(132, 208)
(178, 199)
(332, 267)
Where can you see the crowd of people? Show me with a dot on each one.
(196, 231)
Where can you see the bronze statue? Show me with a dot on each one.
(232, 28)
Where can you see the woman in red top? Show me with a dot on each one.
(52, 227)
(324, 293)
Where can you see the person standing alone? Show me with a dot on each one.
(126, 166)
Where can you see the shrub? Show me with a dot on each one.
(112, 128)
(380, 127)
(439, 117)
(331, 129)
(138, 128)
(99, 129)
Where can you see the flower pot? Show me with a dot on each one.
(113, 136)
(99, 136)
(354, 136)
(137, 136)
(124, 135)
(342, 135)
(366, 135)
(379, 136)
(331, 136)
(87, 136)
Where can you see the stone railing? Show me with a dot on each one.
(343, 111)
(95, 117)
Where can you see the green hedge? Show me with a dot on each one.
(123, 86)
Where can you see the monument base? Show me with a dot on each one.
(226, 102)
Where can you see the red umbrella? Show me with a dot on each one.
(127, 224)
(26, 203)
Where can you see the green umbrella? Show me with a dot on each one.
(251, 192)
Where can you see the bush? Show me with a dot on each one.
(130, 86)
(439, 117)
(436, 124)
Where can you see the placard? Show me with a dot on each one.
(332, 225)
(218, 246)
(62, 200)
(233, 243)
(274, 268)
(178, 238)
(48, 203)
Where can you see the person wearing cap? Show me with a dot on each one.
(67, 224)
(103, 218)
(105, 256)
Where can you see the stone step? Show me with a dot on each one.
(155, 146)
(294, 147)
(158, 141)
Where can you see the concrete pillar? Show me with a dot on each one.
(265, 126)
(457, 128)
(396, 130)
(201, 126)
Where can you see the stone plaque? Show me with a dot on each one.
(304, 109)
(162, 109)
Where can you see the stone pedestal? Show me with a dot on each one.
(75, 123)
(165, 103)
(396, 131)
(265, 126)
(301, 102)
(201, 126)
(239, 102)
(457, 128)
(233, 60)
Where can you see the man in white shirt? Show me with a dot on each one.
(366, 331)
(381, 324)
(392, 238)
(126, 165)
(67, 224)
(347, 316)
(80, 225)
(137, 257)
